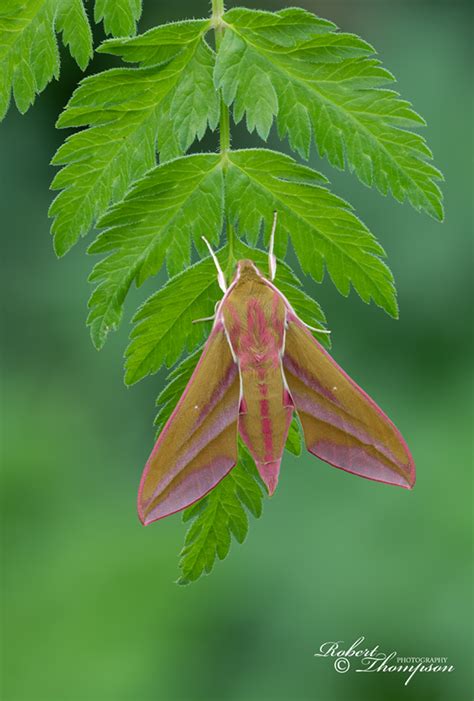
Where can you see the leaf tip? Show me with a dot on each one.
(60, 246)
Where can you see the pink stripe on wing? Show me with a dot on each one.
(310, 407)
(184, 494)
(358, 462)
(221, 423)
(308, 379)
(216, 396)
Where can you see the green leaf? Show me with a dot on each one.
(293, 67)
(29, 57)
(323, 229)
(305, 306)
(179, 201)
(287, 28)
(193, 103)
(120, 16)
(164, 325)
(219, 516)
(294, 440)
(157, 45)
(174, 204)
(128, 111)
(71, 20)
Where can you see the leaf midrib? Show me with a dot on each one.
(320, 233)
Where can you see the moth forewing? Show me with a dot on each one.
(198, 445)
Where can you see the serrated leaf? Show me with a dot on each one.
(219, 516)
(164, 325)
(294, 441)
(120, 17)
(180, 200)
(174, 204)
(72, 21)
(289, 67)
(157, 45)
(128, 111)
(308, 311)
(286, 28)
(193, 104)
(323, 230)
(29, 57)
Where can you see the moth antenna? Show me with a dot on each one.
(272, 263)
(220, 274)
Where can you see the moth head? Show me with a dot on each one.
(246, 269)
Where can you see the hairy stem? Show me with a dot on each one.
(224, 124)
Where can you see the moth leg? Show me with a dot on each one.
(208, 318)
(313, 328)
(272, 263)
(205, 318)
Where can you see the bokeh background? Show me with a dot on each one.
(90, 610)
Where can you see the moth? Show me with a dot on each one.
(259, 366)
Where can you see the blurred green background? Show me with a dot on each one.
(90, 610)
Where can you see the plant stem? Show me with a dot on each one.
(217, 13)
(224, 128)
(224, 123)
